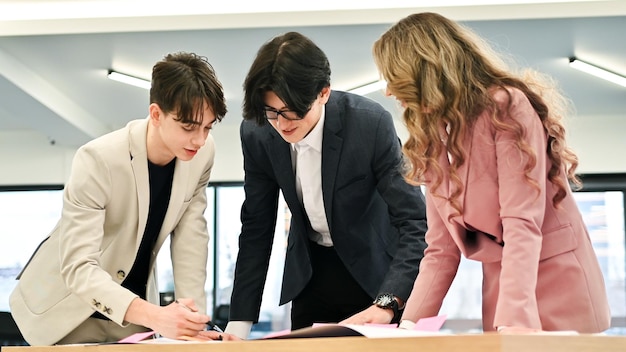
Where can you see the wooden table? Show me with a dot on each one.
(444, 343)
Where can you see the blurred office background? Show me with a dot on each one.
(55, 96)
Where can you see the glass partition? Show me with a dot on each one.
(26, 218)
(28, 214)
(603, 213)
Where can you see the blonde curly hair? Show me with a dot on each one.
(443, 73)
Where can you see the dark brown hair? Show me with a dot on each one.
(182, 83)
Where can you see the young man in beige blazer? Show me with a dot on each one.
(92, 279)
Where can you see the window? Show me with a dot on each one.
(228, 226)
(603, 213)
(601, 203)
(27, 217)
(227, 199)
(165, 277)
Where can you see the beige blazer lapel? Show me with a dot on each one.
(139, 162)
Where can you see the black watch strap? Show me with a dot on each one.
(388, 301)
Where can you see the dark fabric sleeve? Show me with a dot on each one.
(258, 218)
(407, 210)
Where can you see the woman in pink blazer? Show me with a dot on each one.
(490, 148)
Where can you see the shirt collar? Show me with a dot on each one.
(314, 138)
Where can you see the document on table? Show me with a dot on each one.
(424, 327)
(165, 340)
(336, 330)
(145, 337)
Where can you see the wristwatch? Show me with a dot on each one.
(388, 301)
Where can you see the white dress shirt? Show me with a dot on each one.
(307, 154)
(306, 157)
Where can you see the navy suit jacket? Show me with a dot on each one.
(377, 221)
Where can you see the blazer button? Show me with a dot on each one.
(96, 303)
(107, 310)
(121, 274)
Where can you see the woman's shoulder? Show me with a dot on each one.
(507, 95)
(512, 103)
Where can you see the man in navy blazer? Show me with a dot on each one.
(357, 229)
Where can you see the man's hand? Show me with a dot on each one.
(213, 335)
(373, 315)
(176, 321)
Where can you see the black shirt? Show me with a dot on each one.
(160, 190)
(160, 180)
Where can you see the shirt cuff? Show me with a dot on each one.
(406, 324)
(241, 329)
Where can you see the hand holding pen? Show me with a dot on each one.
(212, 332)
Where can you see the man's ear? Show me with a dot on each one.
(155, 113)
(325, 94)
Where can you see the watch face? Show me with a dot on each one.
(385, 300)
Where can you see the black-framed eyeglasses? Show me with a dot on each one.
(272, 114)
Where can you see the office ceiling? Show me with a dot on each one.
(53, 69)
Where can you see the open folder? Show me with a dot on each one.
(336, 330)
(424, 327)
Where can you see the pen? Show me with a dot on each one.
(214, 327)
(210, 324)
(183, 305)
